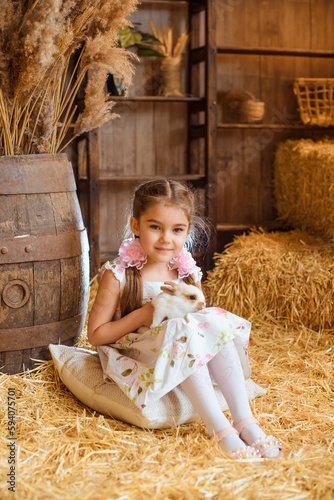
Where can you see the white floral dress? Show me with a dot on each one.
(149, 364)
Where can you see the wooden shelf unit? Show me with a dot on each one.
(260, 65)
(197, 106)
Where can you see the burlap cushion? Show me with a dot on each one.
(80, 370)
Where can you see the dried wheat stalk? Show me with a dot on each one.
(46, 49)
(166, 40)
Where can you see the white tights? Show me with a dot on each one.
(226, 370)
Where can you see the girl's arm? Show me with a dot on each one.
(101, 330)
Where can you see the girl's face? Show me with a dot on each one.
(162, 230)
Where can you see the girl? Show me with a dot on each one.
(148, 363)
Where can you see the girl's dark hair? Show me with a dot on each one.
(145, 195)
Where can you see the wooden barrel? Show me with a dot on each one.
(44, 264)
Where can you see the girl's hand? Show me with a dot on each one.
(147, 312)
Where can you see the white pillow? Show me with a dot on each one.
(80, 370)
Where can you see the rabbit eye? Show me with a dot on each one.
(192, 297)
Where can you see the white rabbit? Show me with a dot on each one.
(175, 301)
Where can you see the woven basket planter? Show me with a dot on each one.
(315, 98)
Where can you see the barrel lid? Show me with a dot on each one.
(35, 174)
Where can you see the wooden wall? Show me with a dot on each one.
(149, 138)
(245, 157)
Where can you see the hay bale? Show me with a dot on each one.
(287, 276)
(304, 185)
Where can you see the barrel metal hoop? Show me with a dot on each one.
(18, 339)
(41, 248)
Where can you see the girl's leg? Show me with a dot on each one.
(198, 387)
(226, 369)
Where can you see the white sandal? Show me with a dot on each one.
(240, 453)
(263, 444)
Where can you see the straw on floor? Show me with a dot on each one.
(64, 450)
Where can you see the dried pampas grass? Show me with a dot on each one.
(282, 276)
(304, 185)
(65, 450)
(46, 49)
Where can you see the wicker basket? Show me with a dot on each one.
(243, 106)
(315, 100)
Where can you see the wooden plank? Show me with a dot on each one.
(67, 214)
(145, 154)
(274, 51)
(41, 214)
(278, 74)
(284, 24)
(250, 188)
(82, 157)
(238, 23)
(47, 291)
(170, 132)
(93, 200)
(322, 13)
(117, 142)
(151, 98)
(195, 178)
(236, 73)
(229, 167)
(115, 198)
(70, 287)
(211, 193)
(14, 216)
(10, 360)
(193, 165)
(83, 283)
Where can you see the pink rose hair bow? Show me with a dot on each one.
(183, 262)
(131, 254)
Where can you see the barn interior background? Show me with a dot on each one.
(226, 146)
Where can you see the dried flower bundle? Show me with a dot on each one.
(170, 84)
(165, 47)
(46, 49)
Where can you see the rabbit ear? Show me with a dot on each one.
(167, 290)
(171, 289)
(176, 286)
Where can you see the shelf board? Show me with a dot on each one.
(269, 226)
(196, 6)
(152, 98)
(165, 1)
(136, 178)
(277, 126)
(273, 51)
(234, 227)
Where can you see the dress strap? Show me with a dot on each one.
(117, 269)
(197, 274)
